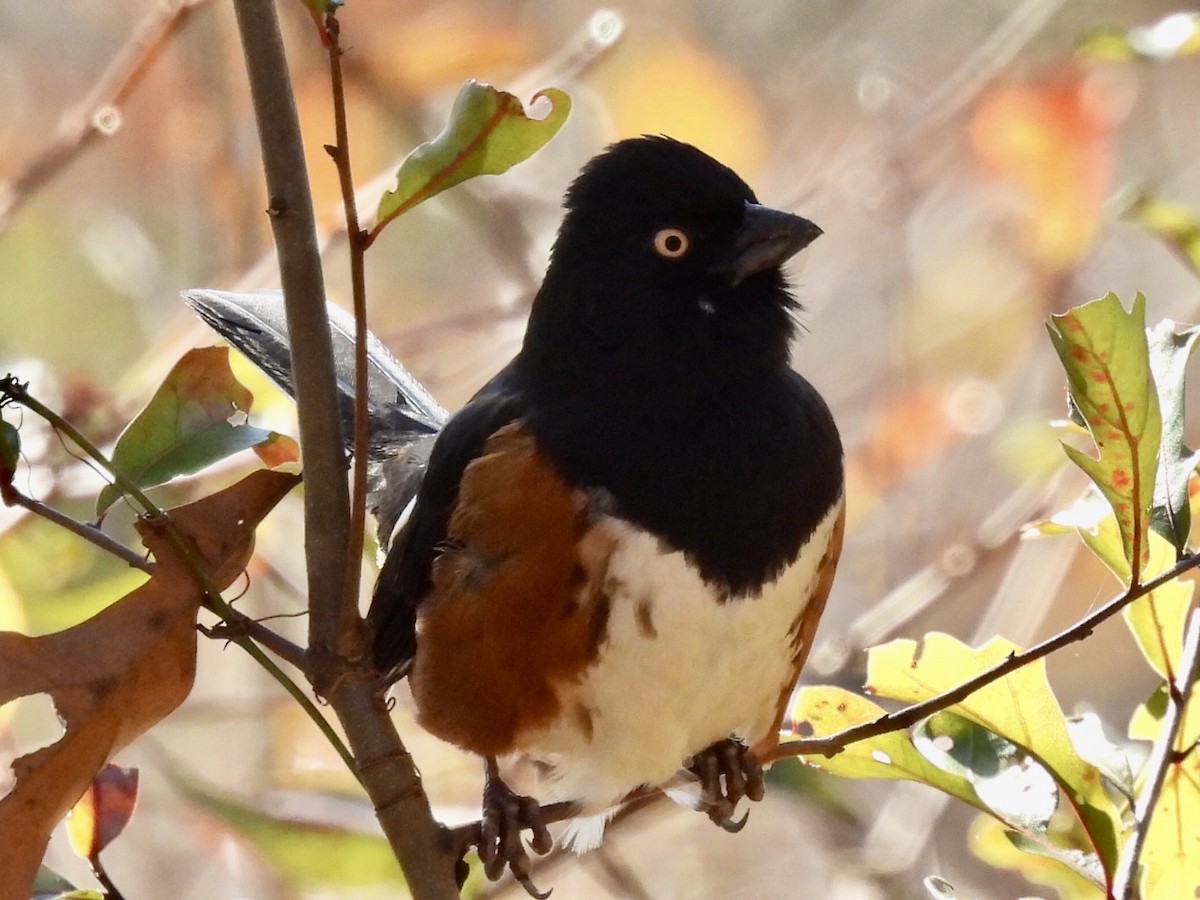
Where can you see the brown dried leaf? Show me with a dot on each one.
(115, 675)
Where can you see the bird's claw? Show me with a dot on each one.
(498, 838)
(727, 772)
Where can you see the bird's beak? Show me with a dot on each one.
(766, 239)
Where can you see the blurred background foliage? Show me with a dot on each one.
(975, 168)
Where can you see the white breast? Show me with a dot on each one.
(680, 669)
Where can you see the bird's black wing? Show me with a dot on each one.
(403, 417)
(405, 578)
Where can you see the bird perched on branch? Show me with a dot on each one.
(619, 549)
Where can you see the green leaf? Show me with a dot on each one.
(1175, 35)
(1174, 223)
(1019, 707)
(1170, 351)
(488, 133)
(1104, 352)
(185, 427)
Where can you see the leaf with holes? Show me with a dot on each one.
(1170, 352)
(488, 133)
(1019, 707)
(185, 427)
(1104, 352)
(117, 674)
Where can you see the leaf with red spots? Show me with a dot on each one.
(488, 133)
(1020, 707)
(1104, 351)
(1170, 351)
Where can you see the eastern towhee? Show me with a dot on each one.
(618, 553)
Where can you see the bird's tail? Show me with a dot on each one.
(403, 416)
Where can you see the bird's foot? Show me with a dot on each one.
(497, 835)
(727, 771)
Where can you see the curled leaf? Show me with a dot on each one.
(488, 133)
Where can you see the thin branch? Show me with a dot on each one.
(240, 623)
(1162, 757)
(88, 532)
(98, 115)
(340, 152)
(832, 744)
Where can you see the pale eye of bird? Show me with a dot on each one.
(671, 243)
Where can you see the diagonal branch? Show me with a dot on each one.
(833, 744)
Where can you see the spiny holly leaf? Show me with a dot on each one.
(103, 811)
(1104, 352)
(1019, 707)
(1175, 35)
(1169, 355)
(185, 427)
(1174, 223)
(488, 133)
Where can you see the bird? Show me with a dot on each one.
(611, 561)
